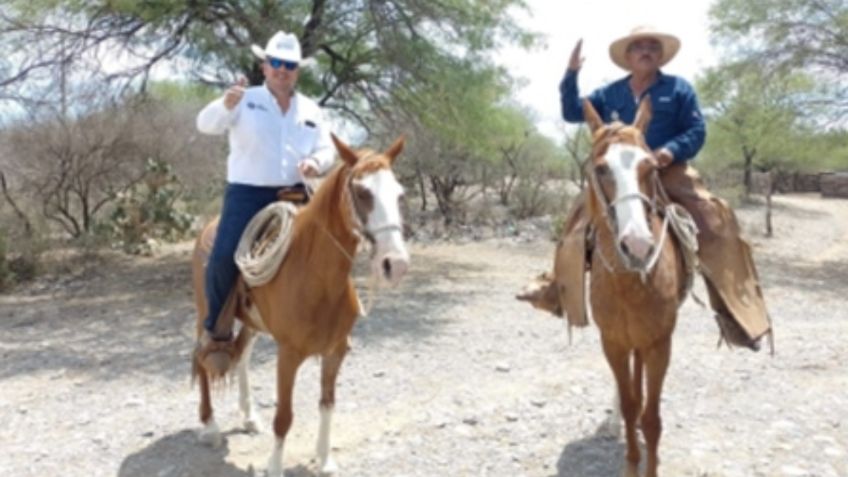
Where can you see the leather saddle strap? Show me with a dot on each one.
(296, 194)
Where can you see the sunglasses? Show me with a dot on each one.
(648, 47)
(276, 63)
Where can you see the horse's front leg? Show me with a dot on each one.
(656, 365)
(288, 362)
(210, 433)
(618, 358)
(330, 365)
(251, 424)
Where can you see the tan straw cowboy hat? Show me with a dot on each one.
(618, 48)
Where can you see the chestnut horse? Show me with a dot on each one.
(310, 305)
(638, 274)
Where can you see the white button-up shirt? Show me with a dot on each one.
(266, 145)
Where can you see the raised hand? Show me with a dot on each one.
(234, 94)
(576, 60)
(308, 168)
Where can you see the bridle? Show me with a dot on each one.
(358, 216)
(609, 218)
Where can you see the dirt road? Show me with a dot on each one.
(449, 376)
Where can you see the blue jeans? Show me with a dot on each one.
(241, 203)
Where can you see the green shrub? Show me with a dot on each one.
(149, 212)
(20, 258)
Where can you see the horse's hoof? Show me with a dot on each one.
(252, 426)
(329, 467)
(274, 470)
(630, 470)
(211, 436)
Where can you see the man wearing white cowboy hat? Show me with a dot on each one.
(675, 134)
(277, 137)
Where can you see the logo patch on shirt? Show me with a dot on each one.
(309, 124)
(252, 105)
(664, 99)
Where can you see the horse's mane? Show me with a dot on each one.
(328, 197)
(605, 135)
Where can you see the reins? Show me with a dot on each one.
(359, 229)
(608, 215)
(674, 216)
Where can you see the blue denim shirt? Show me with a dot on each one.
(676, 123)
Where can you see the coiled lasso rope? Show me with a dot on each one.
(265, 242)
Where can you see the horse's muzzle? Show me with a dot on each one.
(638, 248)
(392, 266)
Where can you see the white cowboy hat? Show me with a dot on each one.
(282, 45)
(618, 48)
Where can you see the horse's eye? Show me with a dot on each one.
(602, 170)
(363, 194)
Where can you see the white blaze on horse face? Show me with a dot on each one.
(633, 231)
(384, 223)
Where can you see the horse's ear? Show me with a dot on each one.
(643, 114)
(593, 119)
(395, 149)
(345, 152)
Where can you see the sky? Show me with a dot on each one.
(599, 23)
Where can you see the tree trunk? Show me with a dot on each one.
(769, 191)
(443, 190)
(20, 213)
(748, 154)
(422, 188)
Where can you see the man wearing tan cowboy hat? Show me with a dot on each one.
(277, 137)
(675, 134)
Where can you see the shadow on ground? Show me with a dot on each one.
(137, 316)
(181, 455)
(594, 456)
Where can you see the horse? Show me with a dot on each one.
(638, 278)
(310, 305)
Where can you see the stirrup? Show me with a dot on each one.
(542, 294)
(216, 356)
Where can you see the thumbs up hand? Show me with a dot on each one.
(234, 94)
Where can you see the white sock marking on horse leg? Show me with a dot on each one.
(275, 463)
(210, 434)
(325, 460)
(251, 423)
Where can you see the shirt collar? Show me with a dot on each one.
(270, 97)
(661, 79)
